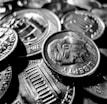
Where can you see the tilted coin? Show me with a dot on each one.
(99, 90)
(8, 42)
(84, 22)
(32, 27)
(71, 54)
(5, 80)
(38, 85)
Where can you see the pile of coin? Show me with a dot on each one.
(54, 51)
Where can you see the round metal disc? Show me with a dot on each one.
(5, 79)
(71, 54)
(8, 42)
(44, 87)
(32, 27)
(85, 23)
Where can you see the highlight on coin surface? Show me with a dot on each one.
(71, 54)
(8, 42)
(32, 27)
(85, 22)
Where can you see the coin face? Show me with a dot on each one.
(85, 23)
(44, 87)
(71, 54)
(5, 79)
(8, 42)
(32, 27)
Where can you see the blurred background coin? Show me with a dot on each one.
(59, 7)
(84, 22)
(85, 4)
(32, 26)
(37, 3)
(71, 54)
(5, 7)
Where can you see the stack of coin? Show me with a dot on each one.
(52, 48)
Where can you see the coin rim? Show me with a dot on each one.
(59, 72)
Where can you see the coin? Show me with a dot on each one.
(84, 22)
(32, 27)
(8, 42)
(71, 54)
(43, 86)
(99, 90)
(5, 79)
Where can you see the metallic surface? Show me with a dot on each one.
(38, 85)
(71, 54)
(33, 28)
(84, 22)
(8, 42)
(5, 80)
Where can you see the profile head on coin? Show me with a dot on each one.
(71, 54)
(32, 27)
(8, 42)
(84, 22)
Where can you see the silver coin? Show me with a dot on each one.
(71, 54)
(84, 22)
(32, 27)
(8, 42)
(43, 86)
(5, 80)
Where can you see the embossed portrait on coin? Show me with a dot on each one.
(68, 51)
